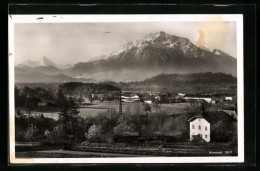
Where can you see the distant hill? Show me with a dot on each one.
(208, 82)
(191, 79)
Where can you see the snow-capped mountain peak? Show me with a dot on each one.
(42, 62)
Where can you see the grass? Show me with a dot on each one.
(92, 110)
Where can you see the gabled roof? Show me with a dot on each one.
(198, 95)
(213, 117)
(195, 117)
(230, 112)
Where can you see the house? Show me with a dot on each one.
(42, 103)
(45, 103)
(181, 94)
(204, 124)
(228, 98)
(148, 101)
(130, 99)
(199, 126)
(207, 98)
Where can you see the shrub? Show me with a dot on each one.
(31, 133)
(94, 133)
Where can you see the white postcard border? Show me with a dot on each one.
(238, 18)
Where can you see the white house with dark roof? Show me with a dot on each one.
(199, 126)
(204, 124)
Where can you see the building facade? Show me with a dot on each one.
(199, 127)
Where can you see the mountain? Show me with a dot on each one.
(158, 52)
(42, 62)
(23, 75)
(44, 65)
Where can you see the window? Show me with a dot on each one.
(192, 126)
(206, 128)
(199, 127)
(206, 136)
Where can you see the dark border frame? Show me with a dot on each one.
(249, 14)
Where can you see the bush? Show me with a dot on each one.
(94, 133)
(31, 133)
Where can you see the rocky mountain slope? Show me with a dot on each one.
(157, 53)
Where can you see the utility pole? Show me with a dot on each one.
(120, 103)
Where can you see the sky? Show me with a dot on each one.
(70, 43)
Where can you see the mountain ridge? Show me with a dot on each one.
(138, 60)
(42, 62)
(24, 76)
(157, 51)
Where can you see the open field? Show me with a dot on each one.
(99, 107)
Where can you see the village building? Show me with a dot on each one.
(181, 94)
(232, 113)
(148, 101)
(199, 126)
(228, 98)
(204, 124)
(45, 103)
(130, 99)
(207, 98)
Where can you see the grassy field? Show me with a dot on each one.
(100, 107)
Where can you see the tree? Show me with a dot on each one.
(157, 106)
(31, 133)
(164, 94)
(147, 108)
(16, 92)
(61, 100)
(123, 125)
(94, 133)
(68, 116)
(80, 100)
(69, 111)
(56, 135)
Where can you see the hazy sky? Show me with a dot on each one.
(69, 43)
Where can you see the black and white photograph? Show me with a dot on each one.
(126, 88)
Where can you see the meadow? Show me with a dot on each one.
(92, 110)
